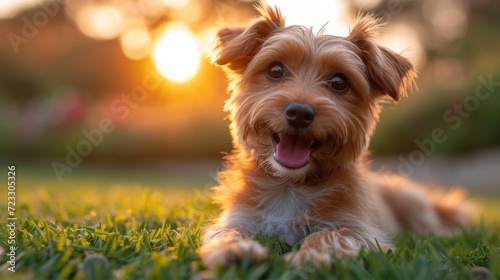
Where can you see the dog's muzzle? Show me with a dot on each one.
(293, 151)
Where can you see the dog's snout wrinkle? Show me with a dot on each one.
(299, 115)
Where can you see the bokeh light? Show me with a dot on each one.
(135, 41)
(190, 12)
(447, 17)
(176, 54)
(100, 21)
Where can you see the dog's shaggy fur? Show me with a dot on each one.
(303, 108)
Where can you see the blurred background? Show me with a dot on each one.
(128, 83)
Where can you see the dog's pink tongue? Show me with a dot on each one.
(293, 152)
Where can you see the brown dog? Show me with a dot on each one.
(303, 108)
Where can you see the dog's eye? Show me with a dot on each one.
(276, 71)
(338, 83)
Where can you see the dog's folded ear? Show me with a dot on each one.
(235, 47)
(389, 73)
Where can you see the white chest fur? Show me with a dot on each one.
(284, 211)
(281, 210)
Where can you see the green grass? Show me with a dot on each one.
(135, 227)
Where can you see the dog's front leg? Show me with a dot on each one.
(228, 246)
(319, 247)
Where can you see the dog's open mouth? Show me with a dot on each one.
(293, 151)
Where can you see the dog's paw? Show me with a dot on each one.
(231, 251)
(301, 257)
(319, 247)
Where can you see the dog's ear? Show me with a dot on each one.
(389, 73)
(235, 47)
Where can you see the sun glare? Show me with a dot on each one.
(176, 54)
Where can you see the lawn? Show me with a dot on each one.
(101, 224)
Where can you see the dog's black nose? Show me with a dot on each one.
(299, 115)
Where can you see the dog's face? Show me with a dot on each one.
(303, 104)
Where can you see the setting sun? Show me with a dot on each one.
(176, 54)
